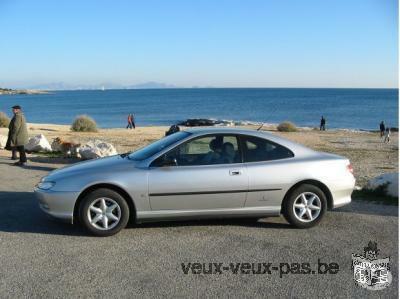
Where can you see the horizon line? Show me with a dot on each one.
(206, 87)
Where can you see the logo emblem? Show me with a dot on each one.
(369, 271)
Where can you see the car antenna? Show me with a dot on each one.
(270, 113)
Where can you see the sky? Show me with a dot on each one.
(204, 43)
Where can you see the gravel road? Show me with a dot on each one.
(42, 257)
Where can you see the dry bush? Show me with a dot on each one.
(287, 126)
(84, 123)
(4, 120)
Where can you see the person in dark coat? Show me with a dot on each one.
(382, 128)
(322, 124)
(18, 135)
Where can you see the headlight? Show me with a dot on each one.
(45, 185)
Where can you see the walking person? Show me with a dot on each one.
(129, 126)
(387, 135)
(322, 124)
(382, 128)
(18, 135)
(133, 121)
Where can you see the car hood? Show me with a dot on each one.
(96, 165)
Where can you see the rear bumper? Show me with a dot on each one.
(337, 203)
(341, 192)
(57, 204)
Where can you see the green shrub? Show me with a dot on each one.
(84, 123)
(379, 195)
(4, 120)
(287, 126)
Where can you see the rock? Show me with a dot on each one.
(173, 129)
(3, 141)
(38, 143)
(198, 122)
(203, 122)
(97, 149)
(391, 180)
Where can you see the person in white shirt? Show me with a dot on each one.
(387, 135)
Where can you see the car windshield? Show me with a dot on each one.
(155, 147)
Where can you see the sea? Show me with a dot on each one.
(342, 108)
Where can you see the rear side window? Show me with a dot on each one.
(258, 149)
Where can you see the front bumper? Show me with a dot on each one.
(58, 204)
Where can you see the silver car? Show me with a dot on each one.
(200, 173)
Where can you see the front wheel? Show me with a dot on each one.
(104, 212)
(305, 206)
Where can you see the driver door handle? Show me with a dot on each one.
(235, 172)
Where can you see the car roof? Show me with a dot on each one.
(298, 149)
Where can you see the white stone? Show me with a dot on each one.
(392, 181)
(3, 141)
(97, 149)
(38, 143)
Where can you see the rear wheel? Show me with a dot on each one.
(305, 206)
(104, 212)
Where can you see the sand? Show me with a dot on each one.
(367, 152)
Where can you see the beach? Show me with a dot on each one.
(368, 154)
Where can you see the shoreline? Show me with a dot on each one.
(248, 124)
(9, 91)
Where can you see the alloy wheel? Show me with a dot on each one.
(104, 213)
(307, 207)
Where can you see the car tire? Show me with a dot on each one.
(104, 212)
(305, 206)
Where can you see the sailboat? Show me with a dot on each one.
(102, 88)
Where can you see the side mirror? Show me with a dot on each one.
(168, 161)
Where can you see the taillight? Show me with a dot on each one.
(350, 168)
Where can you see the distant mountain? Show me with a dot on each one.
(51, 86)
(152, 85)
(106, 85)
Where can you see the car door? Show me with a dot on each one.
(268, 167)
(206, 173)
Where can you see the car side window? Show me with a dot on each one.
(207, 150)
(258, 149)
